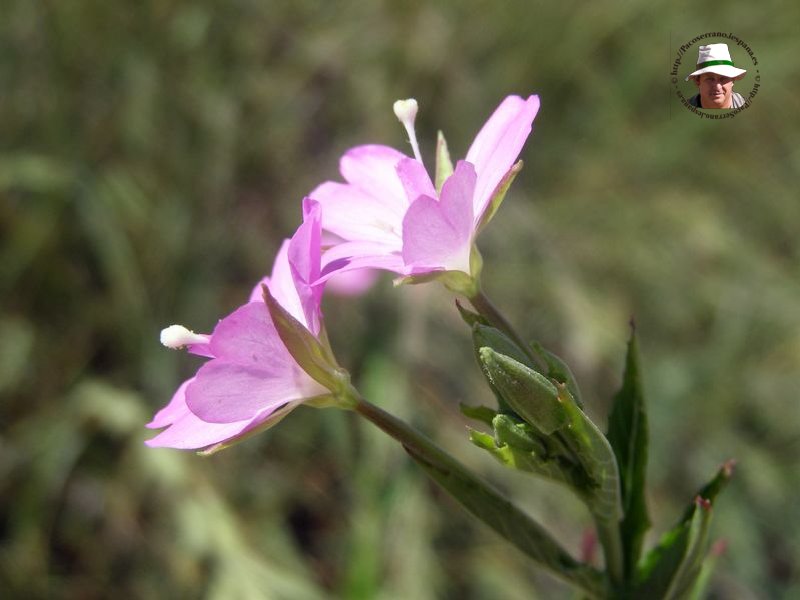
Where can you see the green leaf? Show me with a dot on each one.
(677, 558)
(498, 195)
(597, 458)
(628, 436)
(469, 317)
(701, 584)
(444, 166)
(484, 414)
(671, 569)
(711, 490)
(484, 502)
(496, 511)
(485, 336)
(527, 392)
(313, 357)
(559, 370)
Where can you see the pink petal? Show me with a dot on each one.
(415, 179)
(456, 199)
(224, 392)
(304, 261)
(282, 285)
(498, 144)
(252, 372)
(352, 283)
(304, 247)
(248, 336)
(257, 295)
(356, 214)
(372, 169)
(186, 431)
(172, 411)
(350, 256)
(438, 235)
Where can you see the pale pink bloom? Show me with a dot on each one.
(251, 380)
(389, 214)
(351, 283)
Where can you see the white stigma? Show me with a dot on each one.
(177, 336)
(406, 112)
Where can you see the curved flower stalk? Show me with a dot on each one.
(252, 380)
(391, 215)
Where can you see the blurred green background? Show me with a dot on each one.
(152, 158)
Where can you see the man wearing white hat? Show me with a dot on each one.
(714, 78)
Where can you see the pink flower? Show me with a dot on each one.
(388, 211)
(251, 381)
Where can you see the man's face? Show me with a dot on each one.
(715, 90)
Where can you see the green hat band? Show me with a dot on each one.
(712, 63)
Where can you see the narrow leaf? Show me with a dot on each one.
(597, 458)
(484, 502)
(469, 317)
(628, 436)
(496, 511)
(671, 569)
(484, 414)
(676, 559)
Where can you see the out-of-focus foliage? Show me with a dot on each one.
(153, 155)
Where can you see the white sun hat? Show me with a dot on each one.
(715, 58)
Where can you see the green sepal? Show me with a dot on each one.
(530, 394)
(670, 570)
(469, 317)
(559, 370)
(498, 195)
(455, 281)
(475, 270)
(313, 357)
(484, 414)
(628, 436)
(444, 166)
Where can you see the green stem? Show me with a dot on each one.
(610, 540)
(486, 503)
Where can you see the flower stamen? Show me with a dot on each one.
(406, 113)
(177, 336)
